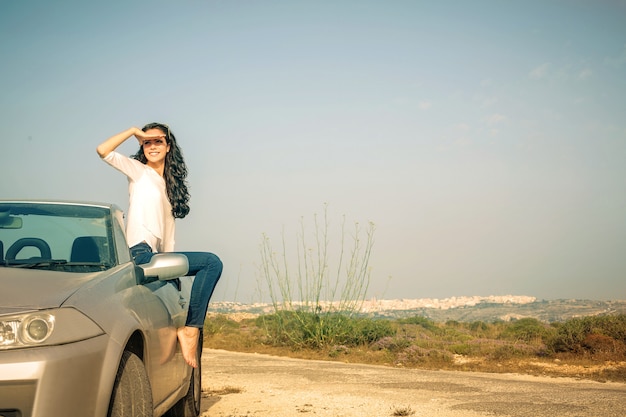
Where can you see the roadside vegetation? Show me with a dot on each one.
(318, 291)
(588, 347)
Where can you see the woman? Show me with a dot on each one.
(158, 195)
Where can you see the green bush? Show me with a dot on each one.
(461, 349)
(478, 326)
(453, 335)
(300, 329)
(391, 344)
(219, 324)
(571, 335)
(508, 352)
(367, 331)
(526, 330)
(421, 321)
(454, 324)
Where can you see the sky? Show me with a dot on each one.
(485, 140)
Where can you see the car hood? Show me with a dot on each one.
(28, 289)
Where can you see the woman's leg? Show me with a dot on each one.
(207, 269)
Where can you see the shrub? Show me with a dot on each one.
(573, 335)
(478, 326)
(218, 324)
(461, 349)
(392, 344)
(316, 301)
(510, 352)
(597, 344)
(414, 354)
(526, 330)
(421, 321)
(319, 282)
(403, 411)
(300, 329)
(367, 331)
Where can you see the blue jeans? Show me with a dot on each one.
(206, 267)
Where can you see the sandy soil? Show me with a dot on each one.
(243, 384)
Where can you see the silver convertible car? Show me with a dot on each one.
(83, 330)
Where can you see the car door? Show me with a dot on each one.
(168, 311)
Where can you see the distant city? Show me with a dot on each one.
(464, 308)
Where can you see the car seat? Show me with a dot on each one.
(89, 249)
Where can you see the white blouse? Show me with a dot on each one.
(149, 217)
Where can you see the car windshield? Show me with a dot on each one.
(55, 236)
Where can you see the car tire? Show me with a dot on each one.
(189, 405)
(132, 396)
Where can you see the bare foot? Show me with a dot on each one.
(188, 338)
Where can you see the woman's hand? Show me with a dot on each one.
(143, 136)
(114, 141)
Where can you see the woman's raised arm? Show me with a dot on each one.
(114, 141)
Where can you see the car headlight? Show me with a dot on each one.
(44, 328)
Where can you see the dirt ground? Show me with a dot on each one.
(244, 384)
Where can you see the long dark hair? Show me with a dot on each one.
(175, 173)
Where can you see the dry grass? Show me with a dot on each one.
(430, 346)
(222, 391)
(403, 411)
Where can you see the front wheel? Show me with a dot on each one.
(189, 405)
(132, 396)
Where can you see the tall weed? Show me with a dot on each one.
(316, 300)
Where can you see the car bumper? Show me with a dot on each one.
(53, 381)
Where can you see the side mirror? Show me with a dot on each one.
(166, 266)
